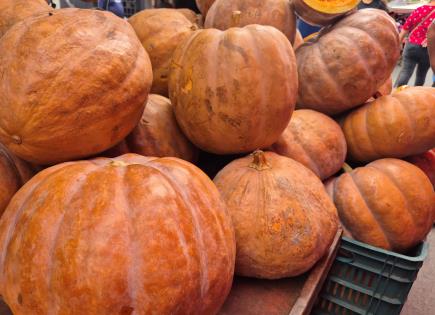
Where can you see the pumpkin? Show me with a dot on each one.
(232, 94)
(426, 162)
(14, 11)
(389, 203)
(13, 174)
(396, 125)
(157, 134)
(431, 45)
(298, 40)
(318, 12)
(346, 63)
(192, 16)
(283, 218)
(277, 13)
(204, 6)
(131, 235)
(160, 40)
(315, 140)
(90, 94)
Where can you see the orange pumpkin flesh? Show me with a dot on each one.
(396, 125)
(283, 218)
(232, 94)
(389, 203)
(157, 134)
(318, 12)
(315, 140)
(160, 40)
(276, 13)
(131, 235)
(95, 80)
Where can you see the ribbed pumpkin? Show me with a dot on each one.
(233, 94)
(160, 32)
(318, 12)
(74, 83)
(14, 11)
(298, 40)
(13, 174)
(315, 140)
(204, 6)
(283, 218)
(346, 64)
(389, 203)
(277, 13)
(426, 162)
(157, 134)
(132, 235)
(396, 125)
(431, 45)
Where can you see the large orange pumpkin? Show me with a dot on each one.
(318, 12)
(389, 203)
(347, 63)
(157, 134)
(233, 94)
(160, 32)
(13, 174)
(426, 162)
(431, 45)
(315, 140)
(277, 13)
(74, 83)
(204, 6)
(282, 215)
(132, 235)
(14, 11)
(396, 125)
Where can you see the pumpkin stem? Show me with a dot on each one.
(259, 161)
(346, 168)
(235, 18)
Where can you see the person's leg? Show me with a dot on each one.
(422, 66)
(410, 59)
(433, 80)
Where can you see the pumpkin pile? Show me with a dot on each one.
(151, 203)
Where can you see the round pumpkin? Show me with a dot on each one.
(74, 83)
(160, 40)
(14, 11)
(204, 6)
(283, 218)
(426, 162)
(298, 40)
(389, 203)
(232, 94)
(13, 174)
(346, 63)
(157, 134)
(237, 13)
(192, 16)
(322, 13)
(131, 235)
(396, 125)
(315, 140)
(431, 45)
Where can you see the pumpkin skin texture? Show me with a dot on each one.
(396, 125)
(389, 203)
(46, 116)
(14, 11)
(131, 235)
(157, 134)
(232, 94)
(204, 6)
(283, 218)
(314, 140)
(237, 13)
(346, 63)
(160, 40)
(13, 174)
(321, 13)
(431, 45)
(426, 162)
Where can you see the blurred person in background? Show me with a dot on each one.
(114, 6)
(188, 4)
(372, 4)
(415, 52)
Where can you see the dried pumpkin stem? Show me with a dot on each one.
(235, 18)
(259, 161)
(346, 168)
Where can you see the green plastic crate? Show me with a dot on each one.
(368, 280)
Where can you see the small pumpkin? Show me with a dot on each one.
(232, 94)
(237, 13)
(131, 235)
(157, 134)
(347, 62)
(315, 140)
(46, 115)
(14, 11)
(13, 174)
(283, 218)
(204, 6)
(389, 203)
(431, 45)
(426, 162)
(396, 125)
(160, 40)
(322, 13)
